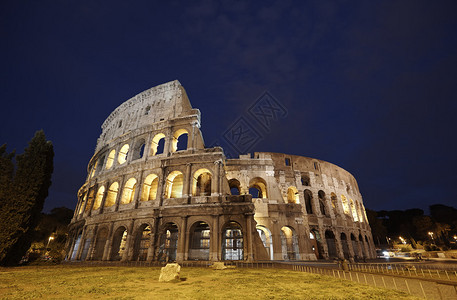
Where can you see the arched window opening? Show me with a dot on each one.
(83, 201)
(355, 246)
(359, 211)
(316, 243)
(138, 151)
(122, 157)
(322, 200)
(168, 243)
(110, 159)
(292, 195)
(76, 247)
(322, 208)
(267, 240)
(146, 110)
(331, 244)
(287, 161)
(258, 188)
(129, 191)
(142, 243)
(362, 246)
(345, 246)
(90, 199)
(199, 242)
(119, 241)
(174, 185)
(345, 203)
(201, 183)
(365, 213)
(158, 144)
(99, 198)
(179, 140)
(102, 236)
(289, 243)
(354, 211)
(232, 242)
(305, 179)
(151, 182)
(86, 246)
(308, 201)
(235, 186)
(112, 194)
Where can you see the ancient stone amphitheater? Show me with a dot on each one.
(155, 193)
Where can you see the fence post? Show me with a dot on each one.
(422, 288)
(407, 286)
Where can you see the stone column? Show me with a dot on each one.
(180, 252)
(128, 252)
(249, 218)
(187, 191)
(215, 251)
(107, 250)
(119, 193)
(81, 243)
(276, 238)
(137, 196)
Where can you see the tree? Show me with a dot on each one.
(22, 195)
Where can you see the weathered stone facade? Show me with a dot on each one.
(154, 192)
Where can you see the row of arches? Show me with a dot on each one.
(257, 187)
(201, 186)
(141, 242)
(179, 141)
(360, 247)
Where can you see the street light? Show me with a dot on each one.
(49, 240)
(431, 235)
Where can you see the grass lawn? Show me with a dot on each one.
(75, 282)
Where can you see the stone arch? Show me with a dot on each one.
(345, 245)
(235, 186)
(353, 210)
(138, 150)
(316, 242)
(308, 195)
(175, 184)
(142, 242)
(90, 198)
(362, 246)
(119, 243)
(122, 156)
(359, 211)
(355, 246)
(168, 242)
(102, 237)
(76, 246)
(331, 244)
(322, 203)
(258, 188)
(128, 192)
(232, 241)
(201, 183)
(200, 238)
(112, 194)
(344, 202)
(110, 159)
(292, 195)
(158, 144)
(99, 197)
(150, 185)
(267, 239)
(179, 140)
(289, 243)
(305, 181)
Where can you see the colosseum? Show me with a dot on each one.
(155, 193)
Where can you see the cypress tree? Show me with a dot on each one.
(24, 199)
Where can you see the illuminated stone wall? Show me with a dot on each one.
(154, 192)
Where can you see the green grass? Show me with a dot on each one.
(75, 282)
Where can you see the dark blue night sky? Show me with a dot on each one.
(368, 85)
